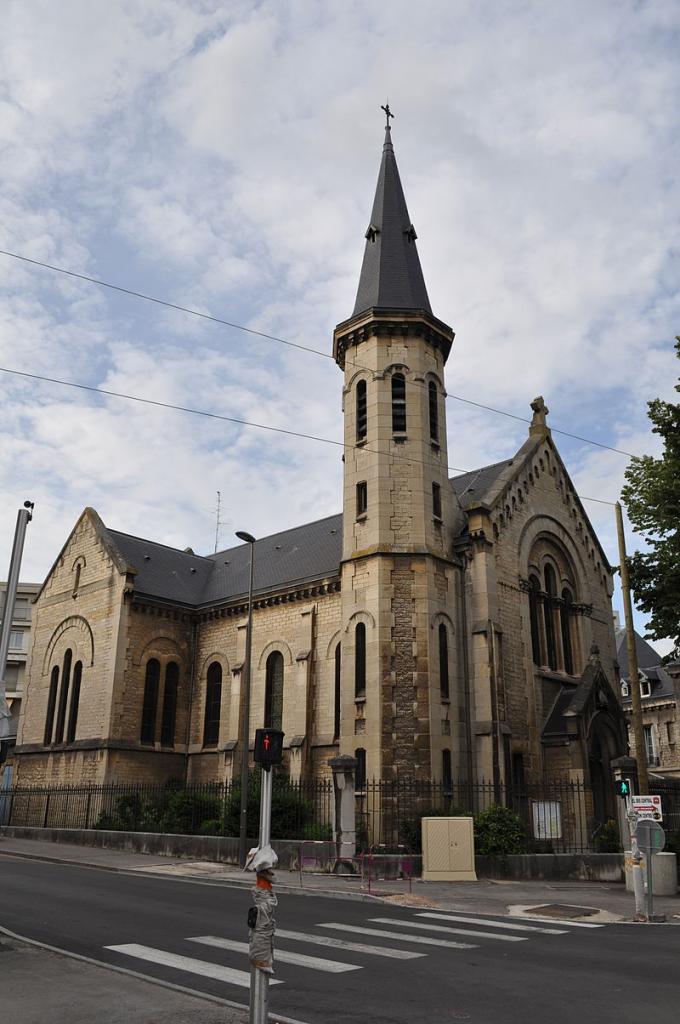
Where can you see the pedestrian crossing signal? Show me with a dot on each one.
(622, 787)
(268, 747)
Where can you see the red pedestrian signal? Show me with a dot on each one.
(268, 747)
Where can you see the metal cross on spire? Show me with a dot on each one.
(388, 113)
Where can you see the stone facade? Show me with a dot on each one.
(461, 630)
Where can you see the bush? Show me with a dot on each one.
(499, 832)
(606, 838)
(186, 811)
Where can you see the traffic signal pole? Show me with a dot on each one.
(268, 752)
(259, 980)
(24, 516)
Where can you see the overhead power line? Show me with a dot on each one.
(236, 420)
(290, 344)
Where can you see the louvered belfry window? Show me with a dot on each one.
(398, 403)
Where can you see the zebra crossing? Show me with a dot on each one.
(424, 932)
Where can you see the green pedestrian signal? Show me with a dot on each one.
(622, 787)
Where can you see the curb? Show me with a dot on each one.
(231, 883)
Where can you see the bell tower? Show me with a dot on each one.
(399, 579)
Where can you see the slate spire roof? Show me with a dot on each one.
(391, 276)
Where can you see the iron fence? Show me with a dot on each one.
(300, 810)
(547, 817)
(555, 816)
(669, 791)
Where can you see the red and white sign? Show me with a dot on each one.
(647, 807)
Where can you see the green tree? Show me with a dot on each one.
(652, 499)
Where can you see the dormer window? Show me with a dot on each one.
(645, 687)
(625, 690)
(372, 232)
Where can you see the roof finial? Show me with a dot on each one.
(539, 426)
(388, 113)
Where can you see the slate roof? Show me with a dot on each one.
(555, 724)
(391, 275)
(477, 485)
(661, 686)
(300, 555)
(647, 657)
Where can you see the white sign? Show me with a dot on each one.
(647, 807)
(547, 819)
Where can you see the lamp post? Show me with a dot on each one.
(243, 830)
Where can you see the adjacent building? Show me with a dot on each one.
(660, 702)
(436, 628)
(19, 643)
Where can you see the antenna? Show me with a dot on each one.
(218, 522)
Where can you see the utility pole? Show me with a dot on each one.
(638, 732)
(24, 516)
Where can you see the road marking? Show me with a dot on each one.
(449, 931)
(492, 924)
(316, 963)
(564, 924)
(353, 947)
(187, 963)
(420, 939)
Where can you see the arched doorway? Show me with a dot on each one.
(604, 746)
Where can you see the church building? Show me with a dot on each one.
(436, 628)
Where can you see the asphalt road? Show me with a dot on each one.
(478, 970)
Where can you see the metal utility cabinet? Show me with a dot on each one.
(448, 850)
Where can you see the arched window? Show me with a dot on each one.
(434, 411)
(338, 668)
(443, 662)
(398, 403)
(63, 696)
(362, 418)
(447, 778)
(75, 700)
(360, 660)
(273, 691)
(534, 591)
(169, 713)
(549, 609)
(360, 780)
(51, 705)
(565, 626)
(150, 703)
(213, 705)
(76, 578)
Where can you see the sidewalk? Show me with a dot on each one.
(595, 900)
(39, 985)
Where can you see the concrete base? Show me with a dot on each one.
(664, 873)
(553, 867)
(223, 849)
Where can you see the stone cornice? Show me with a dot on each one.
(391, 323)
(306, 592)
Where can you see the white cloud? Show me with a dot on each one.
(225, 158)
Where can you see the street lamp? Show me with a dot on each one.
(243, 829)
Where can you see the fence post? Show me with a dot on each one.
(344, 831)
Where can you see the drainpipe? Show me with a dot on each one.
(192, 677)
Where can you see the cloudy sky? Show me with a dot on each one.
(223, 156)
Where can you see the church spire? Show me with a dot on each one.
(391, 277)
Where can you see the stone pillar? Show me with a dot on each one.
(344, 830)
(624, 768)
